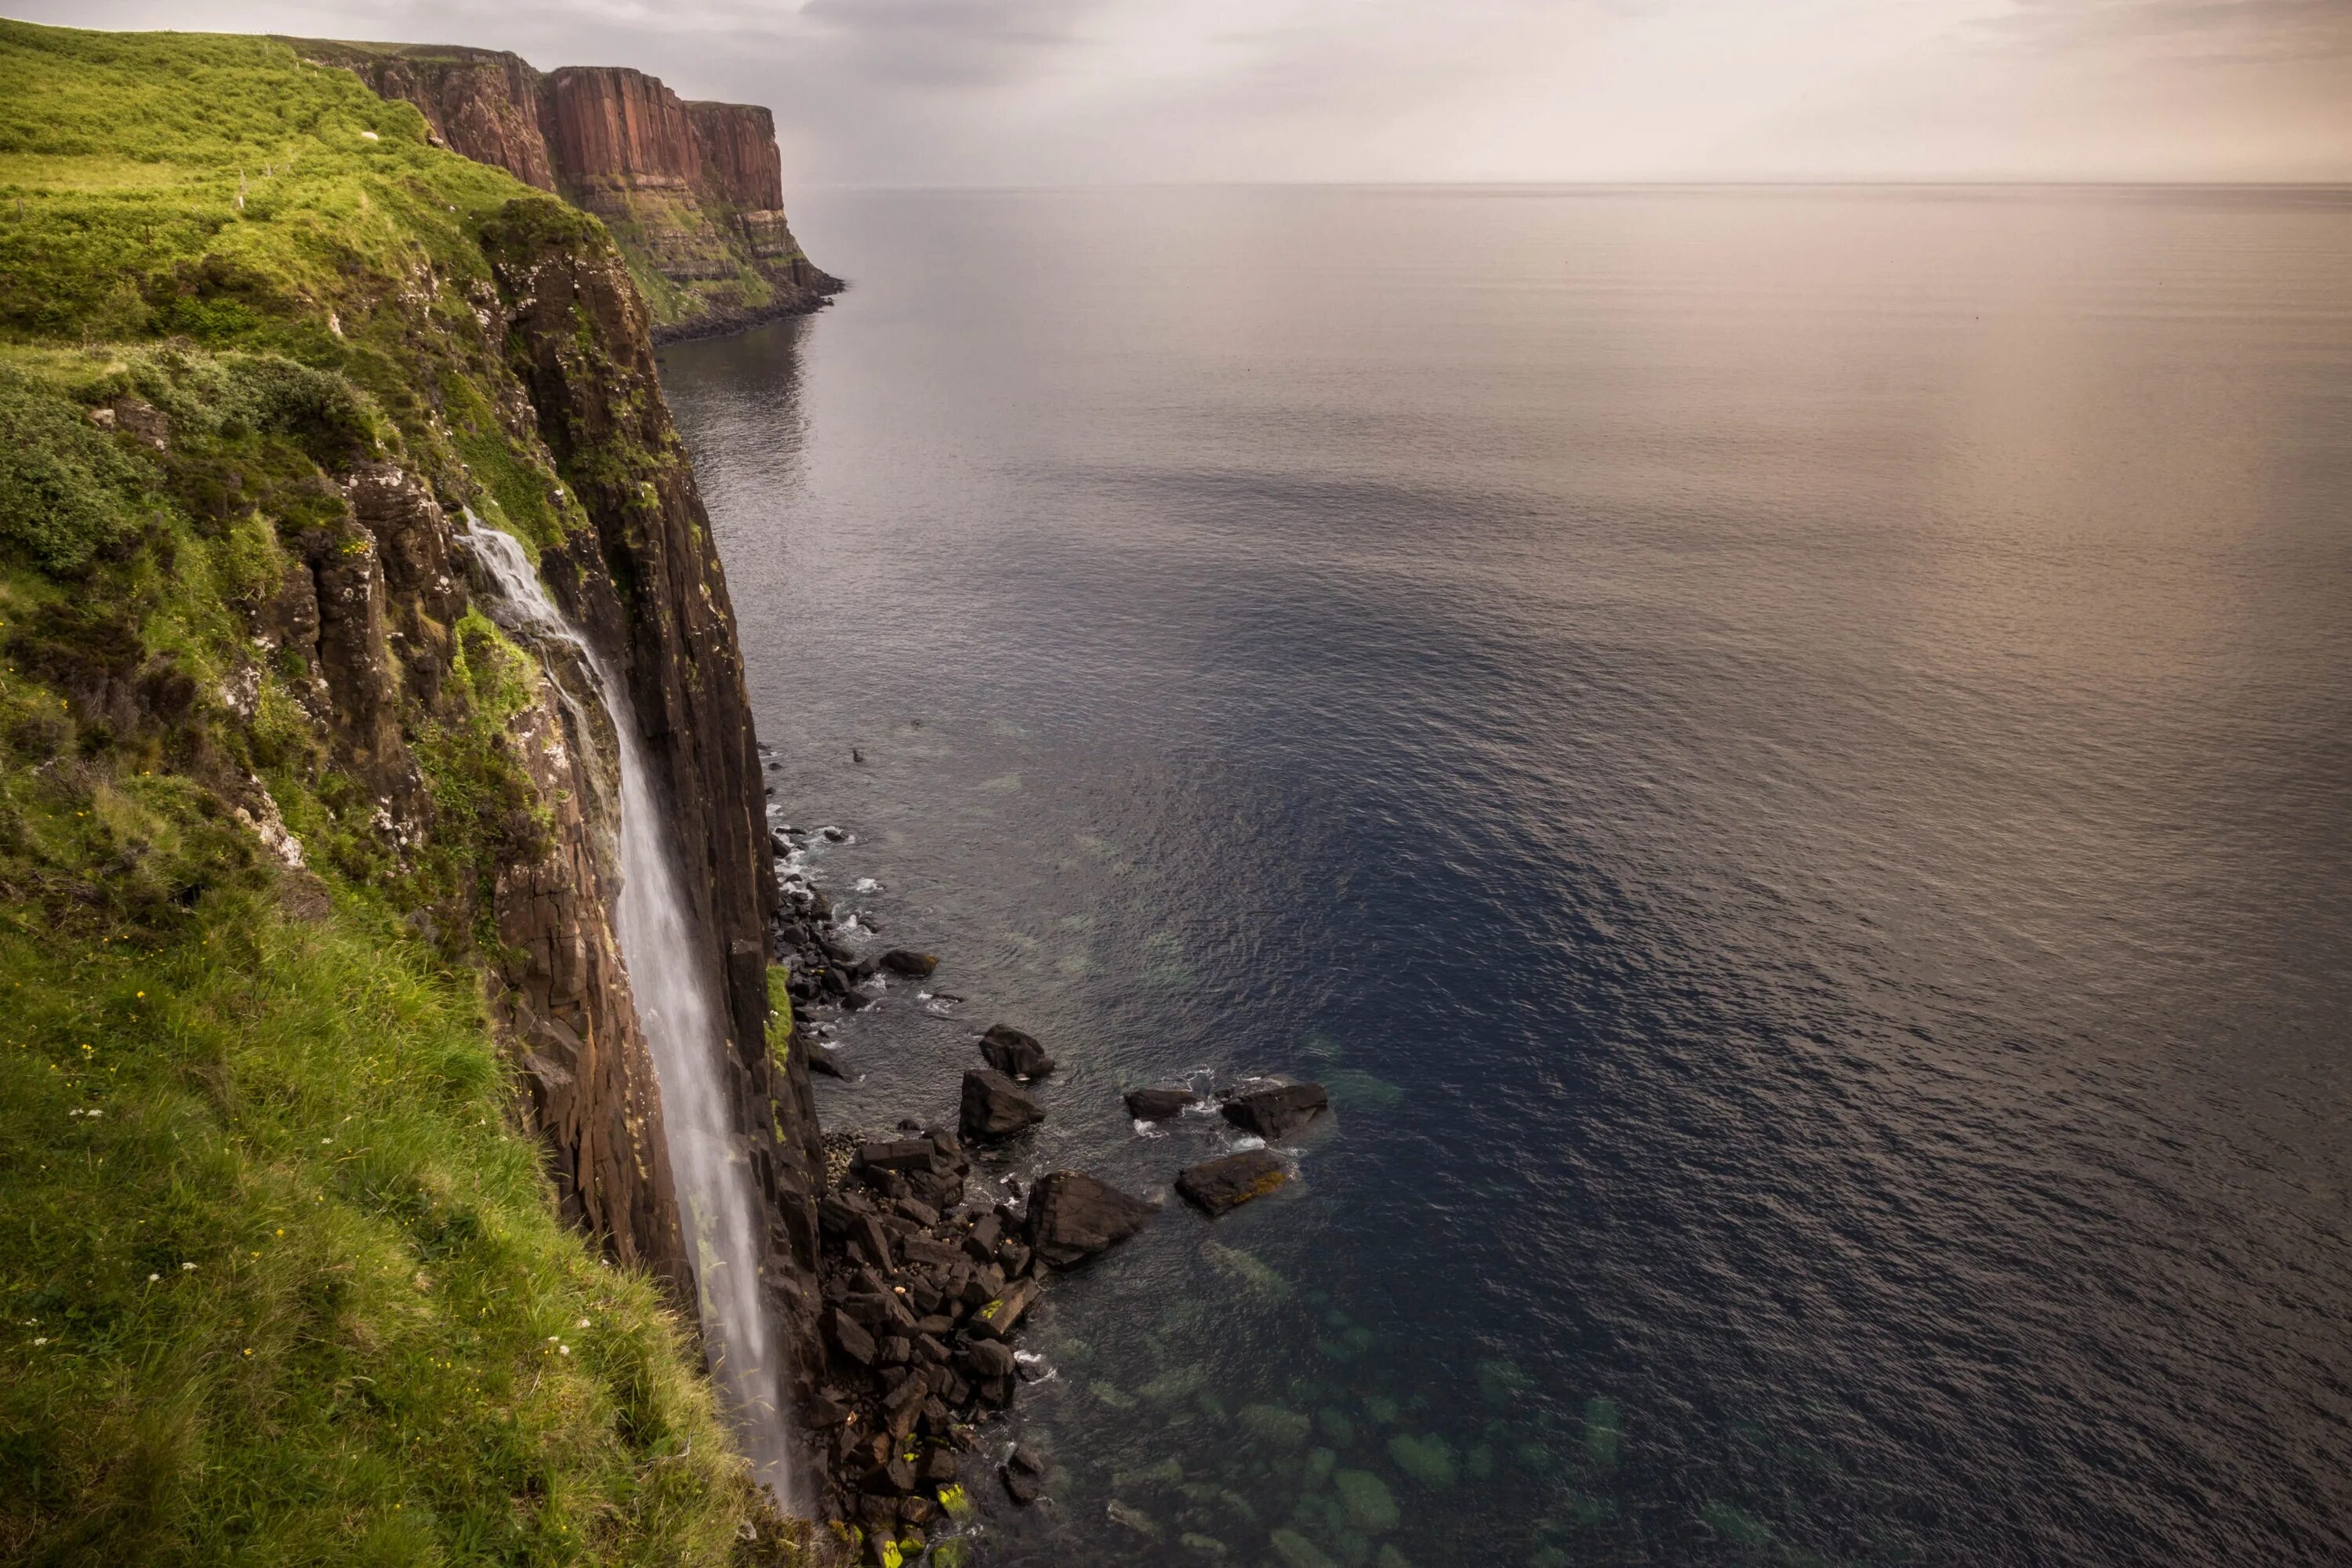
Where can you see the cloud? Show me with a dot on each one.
(1048, 92)
(2236, 31)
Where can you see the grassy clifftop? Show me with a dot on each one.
(280, 1278)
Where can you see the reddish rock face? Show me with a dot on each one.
(697, 189)
(741, 165)
(609, 123)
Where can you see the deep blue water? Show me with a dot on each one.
(1786, 757)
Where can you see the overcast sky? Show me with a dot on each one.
(1059, 91)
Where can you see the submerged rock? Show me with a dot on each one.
(1014, 1054)
(1297, 1552)
(1275, 1113)
(1220, 1186)
(994, 1106)
(1073, 1216)
(1157, 1104)
(906, 960)
(1426, 1459)
(1370, 1507)
(1136, 1519)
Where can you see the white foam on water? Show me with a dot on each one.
(674, 975)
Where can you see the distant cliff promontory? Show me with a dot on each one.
(693, 193)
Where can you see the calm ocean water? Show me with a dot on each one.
(1787, 755)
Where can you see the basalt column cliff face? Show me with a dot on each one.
(693, 193)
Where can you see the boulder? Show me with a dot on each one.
(995, 1319)
(901, 1154)
(1072, 1216)
(987, 1358)
(856, 1342)
(1024, 1472)
(905, 961)
(1159, 1104)
(1275, 1113)
(994, 1106)
(1219, 1186)
(1014, 1054)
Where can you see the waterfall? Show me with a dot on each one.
(674, 975)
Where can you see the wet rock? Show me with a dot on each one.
(905, 961)
(994, 1106)
(1157, 1104)
(1073, 1216)
(1275, 1113)
(821, 1061)
(1220, 1186)
(1024, 1473)
(1014, 1054)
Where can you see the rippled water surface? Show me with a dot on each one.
(1786, 757)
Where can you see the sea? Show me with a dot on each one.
(1785, 754)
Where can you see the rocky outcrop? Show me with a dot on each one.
(1276, 1112)
(1074, 1216)
(1220, 1186)
(563, 996)
(1016, 1055)
(483, 103)
(994, 1107)
(693, 191)
(739, 165)
(645, 581)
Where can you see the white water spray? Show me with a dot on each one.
(673, 974)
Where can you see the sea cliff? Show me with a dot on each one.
(691, 193)
(332, 1168)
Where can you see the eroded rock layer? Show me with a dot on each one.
(692, 191)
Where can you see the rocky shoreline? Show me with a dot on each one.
(929, 1269)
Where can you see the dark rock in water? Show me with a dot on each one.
(821, 1061)
(905, 961)
(1159, 1104)
(1011, 1052)
(833, 835)
(994, 1106)
(1219, 1186)
(1023, 1488)
(1072, 1216)
(1024, 1473)
(1274, 1114)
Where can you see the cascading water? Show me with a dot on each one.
(675, 978)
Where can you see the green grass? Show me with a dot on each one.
(379, 1354)
(282, 1287)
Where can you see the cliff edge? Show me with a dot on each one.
(692, 193)
(339, 1214)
